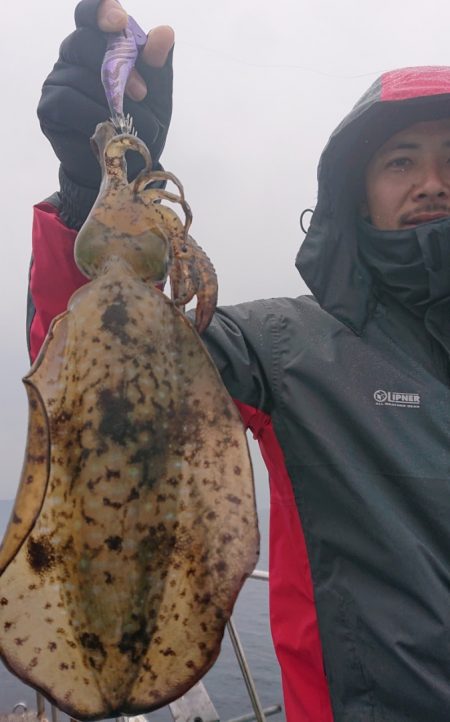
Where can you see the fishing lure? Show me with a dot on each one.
(122, 50)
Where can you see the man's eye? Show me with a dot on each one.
(399, 163)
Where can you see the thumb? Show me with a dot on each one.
(111, 17)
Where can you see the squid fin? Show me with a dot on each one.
(33, 483)
(36, 467)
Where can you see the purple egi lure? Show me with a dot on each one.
(120, 57)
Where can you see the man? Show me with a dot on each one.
(347, 391)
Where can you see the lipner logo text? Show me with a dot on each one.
(397, 398)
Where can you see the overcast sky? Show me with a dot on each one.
(259, 86)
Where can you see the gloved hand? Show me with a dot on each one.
(73, 102)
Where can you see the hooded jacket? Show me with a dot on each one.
(348, 394)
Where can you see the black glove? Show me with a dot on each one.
(73, 102)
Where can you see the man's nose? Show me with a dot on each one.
(433, 183)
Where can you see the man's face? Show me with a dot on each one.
(408, 177)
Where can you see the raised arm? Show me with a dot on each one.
(73, 101)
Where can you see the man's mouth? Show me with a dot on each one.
(424, 217)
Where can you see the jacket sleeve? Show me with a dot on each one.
(54, 276)
(236, 341)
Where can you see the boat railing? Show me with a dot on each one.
(195, 706)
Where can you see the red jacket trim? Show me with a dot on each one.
(54, 276)
(415, 82)
(293, 617)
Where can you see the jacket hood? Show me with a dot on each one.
(328, 259)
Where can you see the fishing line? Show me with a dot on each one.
(277, 66)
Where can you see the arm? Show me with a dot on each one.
(72, 103)
(237, 341)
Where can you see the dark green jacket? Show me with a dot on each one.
(357, 387)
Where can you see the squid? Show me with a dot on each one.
(134, 525)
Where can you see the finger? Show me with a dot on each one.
(159, 44)
(111, 17)
(136, 88)
(71, 109)
(108, 15)
(159, 84)
(84, 47)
